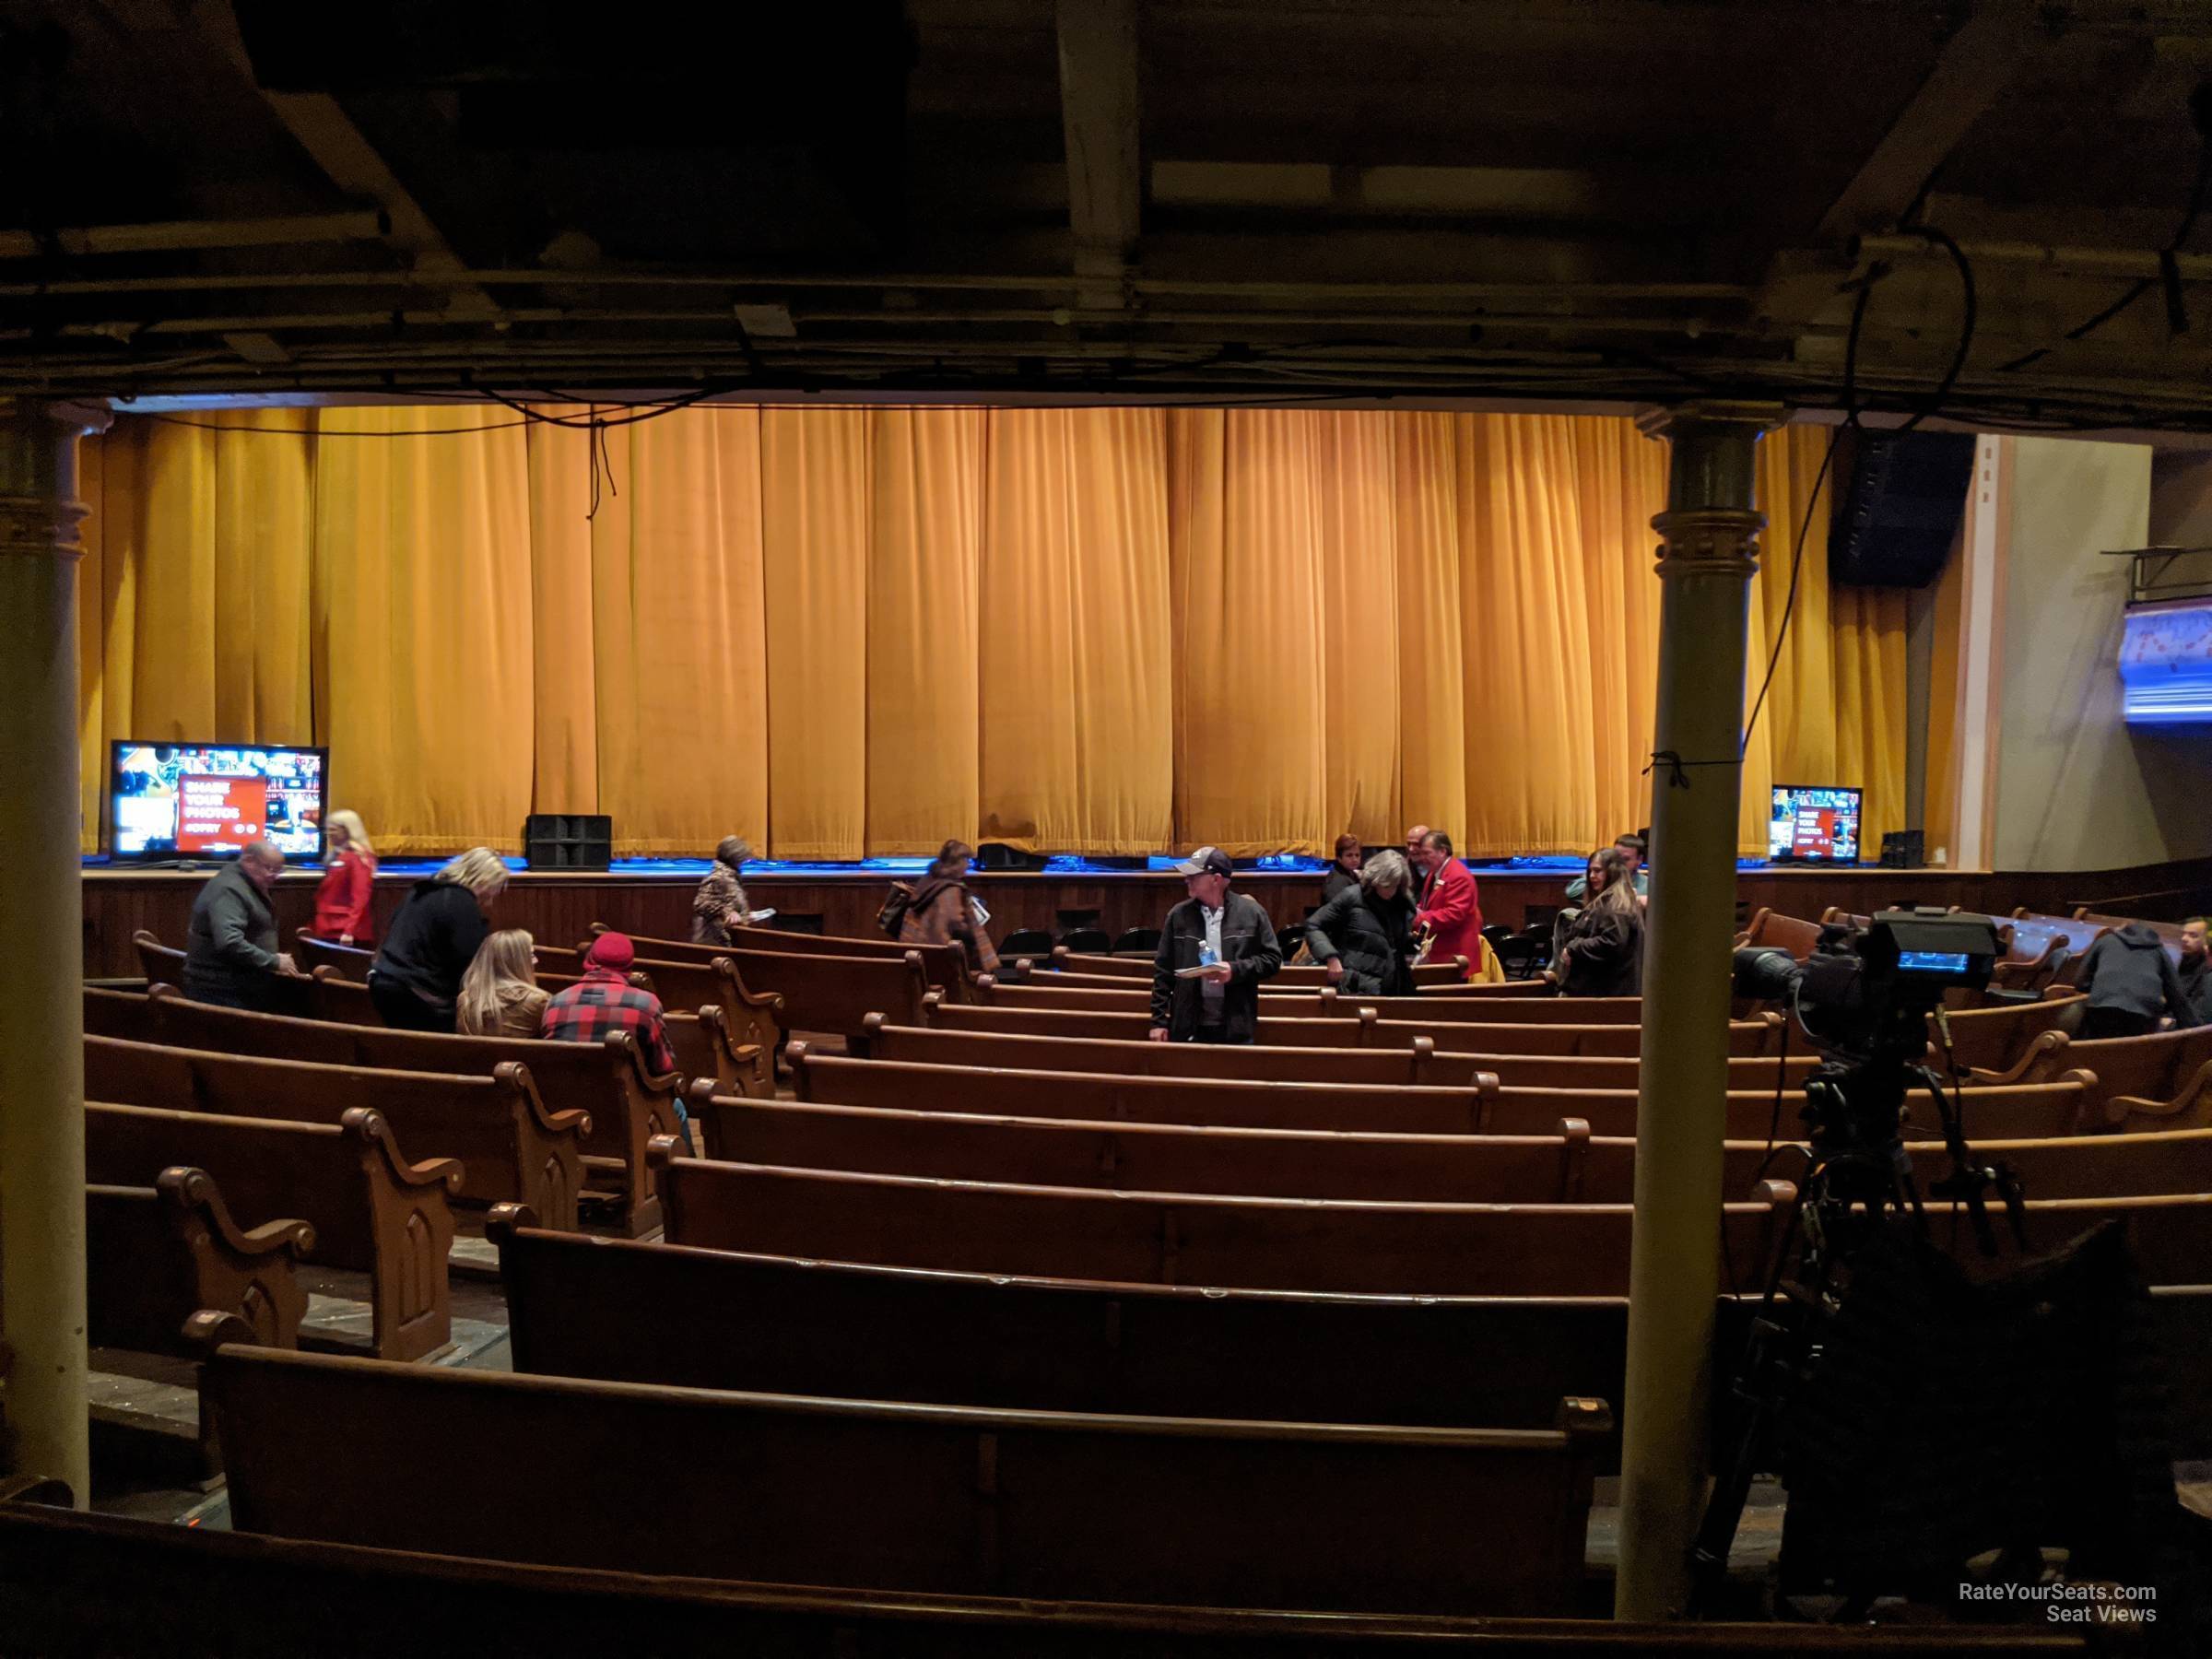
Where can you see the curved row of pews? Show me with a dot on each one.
(960, 1287)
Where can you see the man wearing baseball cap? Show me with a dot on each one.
(1214, 949)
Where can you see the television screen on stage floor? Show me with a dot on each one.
(1813, 824)
(208, 800)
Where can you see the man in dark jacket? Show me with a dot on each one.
(230, 955)
(1214, 949)
(2130, 981)
(1364, 934)
(2194, 970)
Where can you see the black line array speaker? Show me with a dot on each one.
(1897, 506)
(568, 840)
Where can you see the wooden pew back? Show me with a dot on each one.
(1298, 976)
(75, 1587)
(352, 962)
(818, 992)
(2020, 1110)
(2154, 1068)
(606, 1082)
(1176, 1239)
(1419, 1062)
(837, 1080)
(1774, 929)
(155, 1256)
(1072, 991)
(945, 966)
(1752, 1037)
(371, 1210)
(511, 1149)
(1994, 1039)
(764, 1486)
(789, 1327)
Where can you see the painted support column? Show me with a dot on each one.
(1708, 551)
(43, 1419)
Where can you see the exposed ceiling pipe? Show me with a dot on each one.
(176, 236)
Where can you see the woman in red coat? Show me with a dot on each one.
(342, 901)
(1450, 909)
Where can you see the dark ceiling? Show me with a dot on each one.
(1589, 201)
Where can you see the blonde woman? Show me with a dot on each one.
(499, 994)
(349, 878)
(416, 979)
(1601, 953)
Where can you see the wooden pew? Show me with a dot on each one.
(1157, 1158)
(896, 1496)
(352, 962)
(839, 1080)
(161, 964)
(1994, 1039)
(1178, 1239)
(1355, 1029)
(157, 1255)
(626, 1313)
(606, 1082)
(2133, 1073)
(2031, 957)
(945, 966)
(1110, 1043)
(2062, 1106)
(706, 1042)
(509, 1147)
(84, 1586)
(1082, 991)
(1417, 1062)
(372, 1211)
(1783, 933)
(814, 992)
(1304, 975)
(1569, 1166)
(1487, 1107)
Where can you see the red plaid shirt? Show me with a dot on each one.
(605, 1002)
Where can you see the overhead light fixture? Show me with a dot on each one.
(767, 321)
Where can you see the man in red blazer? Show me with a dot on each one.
(1450, 906)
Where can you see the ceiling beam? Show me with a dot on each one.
(1974, 67)
(1098, 117)
(338, 146)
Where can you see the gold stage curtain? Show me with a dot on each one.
(1835, 713)
(192, 592)
(839, 631)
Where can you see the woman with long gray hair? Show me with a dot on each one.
(1364, 936)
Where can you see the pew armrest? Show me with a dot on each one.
(747, 999)
(2191, 1107)
(2040, 1057)
(430, 1172)
(195, 1191)
(515, 1075)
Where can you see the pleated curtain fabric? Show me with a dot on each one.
(847, 632)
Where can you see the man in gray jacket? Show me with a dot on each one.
(230, 955)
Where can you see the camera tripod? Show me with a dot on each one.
(1859, 1175)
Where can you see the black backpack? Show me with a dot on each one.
(891, 918)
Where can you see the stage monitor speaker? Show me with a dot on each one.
(997, 856)
(568, 840)
(1897, 503)
(1903, 849)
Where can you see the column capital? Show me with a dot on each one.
(38, 511)
(1671, 421)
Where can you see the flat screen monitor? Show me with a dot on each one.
(1813, 824)
(208, 800)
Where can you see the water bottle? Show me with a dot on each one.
(1206, 955)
